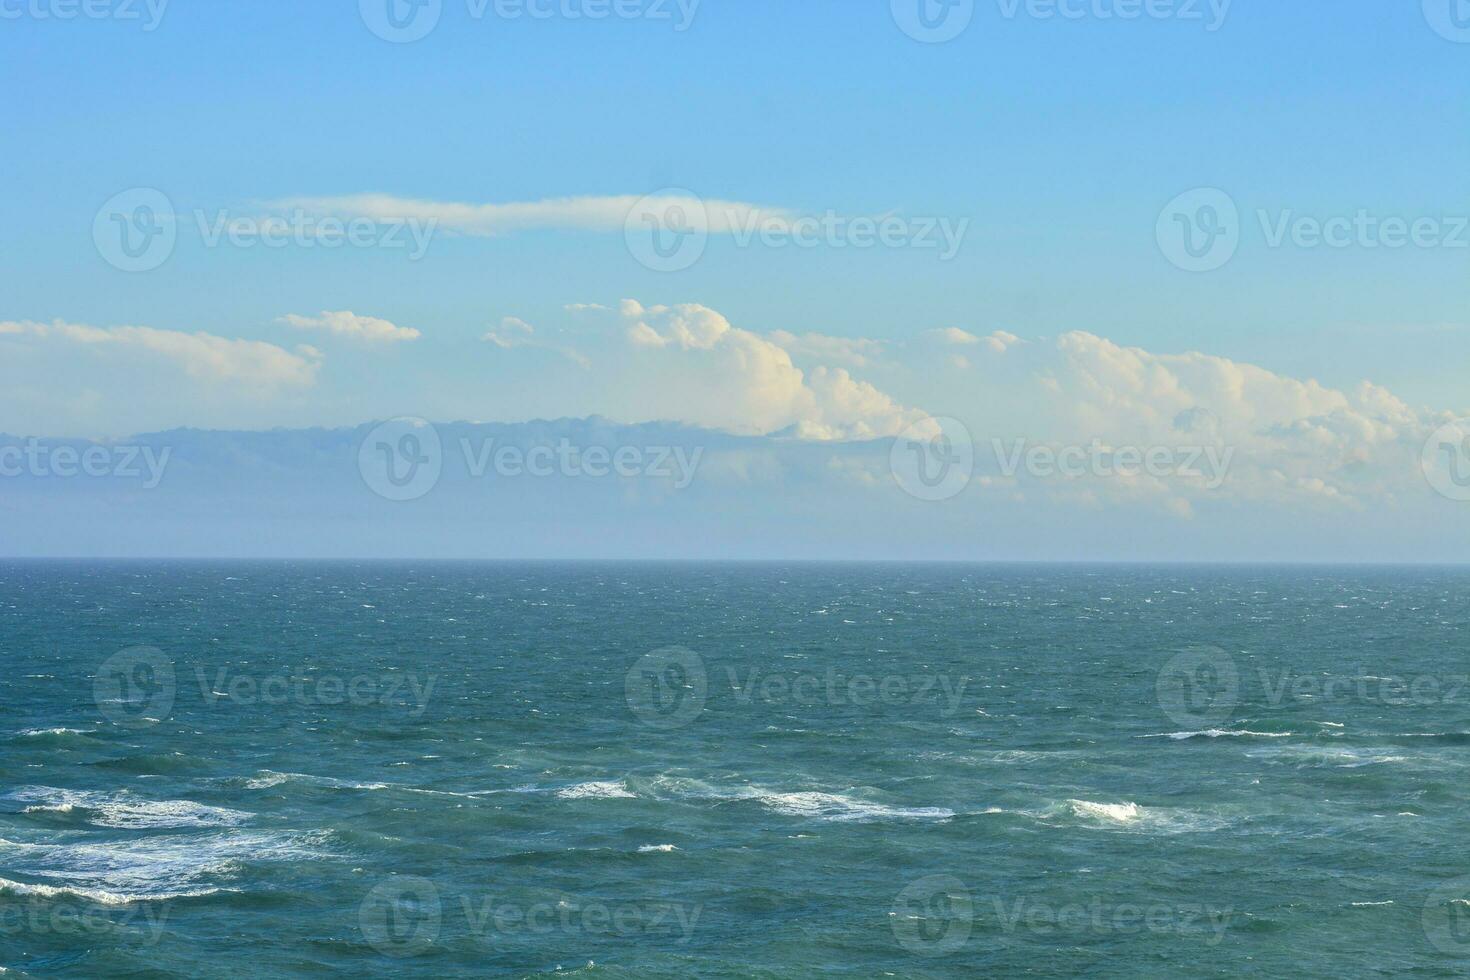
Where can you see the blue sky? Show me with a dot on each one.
(1055, 140)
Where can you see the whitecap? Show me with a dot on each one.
(1117, 812)
(1217, 733)
(125, 811)
(656, 848)
(100, 896)
(838, 808)
(153, 868)
(596, 791)
(268, 778)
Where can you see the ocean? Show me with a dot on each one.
(419, 769)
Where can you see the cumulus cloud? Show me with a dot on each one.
(851, 351)
(999, 341)
(200, 355)
(1292, 439)
(345, 323)
(514, 333)
(725, 377)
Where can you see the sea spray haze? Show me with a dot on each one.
(643, 770)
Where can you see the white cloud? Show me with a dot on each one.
(586, 213)
(514, 333)
(851, 351)
(200, 355)
(345, 323)
(718, 375)
(999, 341)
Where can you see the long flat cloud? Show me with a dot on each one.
(586, 213)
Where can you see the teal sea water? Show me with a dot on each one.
(648, 770)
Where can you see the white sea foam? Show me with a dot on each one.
(267, 778)
(125, 811)
(39, 732)
(834, 807)
(100, 896)
(838, 808)
(1132, 817)
(1217, 733)
(596, 791)
(1364, 905)
(1117, 812)
(150, 869)
(656, 848)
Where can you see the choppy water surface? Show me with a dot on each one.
(299, 769)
